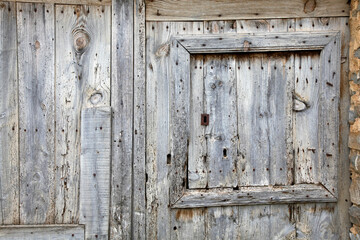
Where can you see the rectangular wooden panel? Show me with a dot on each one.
(37, 112)
(95, 171)
(82, 80)
(42, 232)
(9, 152)
(187, 10)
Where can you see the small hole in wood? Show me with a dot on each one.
(168, 159)
(225, 153)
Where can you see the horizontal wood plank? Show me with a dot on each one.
(39, 232)
(255, 196)
(255, 42)
(78, 2)
(188, 10)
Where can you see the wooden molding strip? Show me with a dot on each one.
(195, 44)
(255, 196)
(71, 2)
(189, 10)
(54, 232)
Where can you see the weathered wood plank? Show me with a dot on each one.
(158, 155)
(71, 2)
(169, 10)
(82, 80)
(95, 171)
(306, 123)
(139, 198)
(221, 134)
(223, 223)
(258, 42)
(36, 112)
(9, 129)
(122, 99)
(264, 102)
(197, 164)
(316, 221)
(275, 222)
(254, 196)
(188, 224)
(338, 24)
(42, 232)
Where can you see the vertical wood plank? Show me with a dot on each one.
(95, 171)
(308, 149)
(9, 152)
(139, 198)
(122, 106)
(82, 80)
(157, 131)
(221, 134)
(254, 145)
(197, 165)
(36, 112)
(337, 24)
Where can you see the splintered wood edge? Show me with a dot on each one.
(255, 196)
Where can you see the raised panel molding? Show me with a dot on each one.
(182, 46)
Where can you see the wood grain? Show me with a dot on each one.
(190, 10)
(255, 196)
(9, 126)
(95, 171)
(82, 80)
(36, 111)
(122, 99)
(70, 2)
(53, 232)
(139, 195)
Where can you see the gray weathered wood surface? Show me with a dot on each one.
(159, 160)
(86, 2)
(255, 196)
(36, 112)
(195, 10)
(42, 232)
(95, 171)
(9, 125)
(82, 80)
(122, 86)
(139, 190)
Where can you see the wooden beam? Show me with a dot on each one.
(71, 2)
(54, 232)
(269, 42)
(255, 196)
(190, 10)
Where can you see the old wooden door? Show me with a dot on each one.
(242, 138)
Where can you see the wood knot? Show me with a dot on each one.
(81, 40)
(246, 46)
(37, 45)
(96, 98)
(163, 50)
(309, 6)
